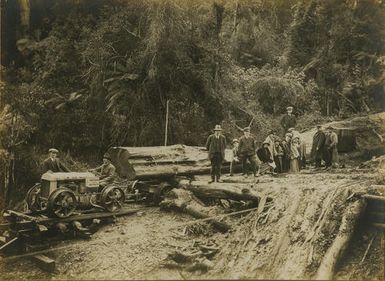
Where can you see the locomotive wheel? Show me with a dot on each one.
(34, 202)
(62, 202)
(112, 198)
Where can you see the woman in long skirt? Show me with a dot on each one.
(294, 156)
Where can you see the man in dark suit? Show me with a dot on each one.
(52, 163)
(246, 151)
(317, 148)
(216, 145)
(288, 120)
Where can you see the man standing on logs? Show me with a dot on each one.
(317, 148)
(288, 120)
(246, 150)
(216, 145)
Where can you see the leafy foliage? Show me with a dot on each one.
(95, 74)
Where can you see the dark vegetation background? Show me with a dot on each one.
(86, 75)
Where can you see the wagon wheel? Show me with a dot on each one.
(161, 192)
(34, 202)
(62, 202)
(112, 198)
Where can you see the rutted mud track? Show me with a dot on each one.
(137, 247)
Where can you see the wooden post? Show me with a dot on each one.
(166, 126)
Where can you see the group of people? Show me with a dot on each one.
(106, 171)
(275, 155)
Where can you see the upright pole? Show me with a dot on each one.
(166, 127)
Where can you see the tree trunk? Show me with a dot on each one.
(341, 242)
(183, 200)
(238, 192)
(162, 162)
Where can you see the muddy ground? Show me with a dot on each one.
(137, 246)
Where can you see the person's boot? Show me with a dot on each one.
(212, 179)
(219, 179)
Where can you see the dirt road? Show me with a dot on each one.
(137, 246)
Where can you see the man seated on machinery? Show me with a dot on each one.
(106, 171)
(52, 163)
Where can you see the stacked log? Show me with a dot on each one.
(162, 161)
(365, 134)
(238, 192)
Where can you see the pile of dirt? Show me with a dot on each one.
(301, 227)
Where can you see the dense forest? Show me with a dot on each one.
(82, 76)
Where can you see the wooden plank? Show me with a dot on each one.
(379, 225)
(374, 197)
(47, 221)
(18, 215)
(44, 262)
(9, 243)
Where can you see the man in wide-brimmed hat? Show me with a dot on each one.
(246, 152)
(288, 120)
(52, 163)
(106, 171)
(331, 151)
(216, 145)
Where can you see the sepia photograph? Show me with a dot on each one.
(192, 140)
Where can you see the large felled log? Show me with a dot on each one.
(238, 191)
(341, 242)
(364, 134)
(184, 201)
(162, 161)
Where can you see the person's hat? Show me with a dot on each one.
(289, 108)
(266, 142)
(235, 140)
(246, 129)
(218, 128)
(330, 128)
(290, 129)
(53, 150)
(107, 156)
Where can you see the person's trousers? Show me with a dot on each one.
(278, 164)
(334, 157)
(232, 165)
(303, 163)
(285, 164)
(253, 161)
(318, 158)
(216, 165)
(327, 157)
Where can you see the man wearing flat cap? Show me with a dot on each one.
(216, 145)
(106, 171)
(52, 163)
(288, 120)
(317, 148)
(246, 151)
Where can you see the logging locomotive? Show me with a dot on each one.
(60, 194)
